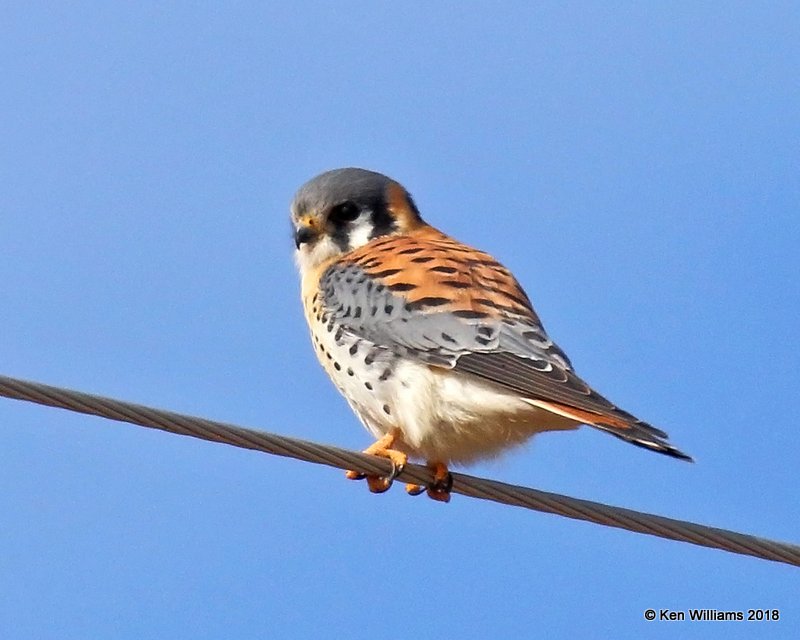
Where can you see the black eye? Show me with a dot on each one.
(344, 212)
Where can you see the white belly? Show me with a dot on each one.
(443, 416)
(451, 417)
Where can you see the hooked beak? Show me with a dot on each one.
(303, 234)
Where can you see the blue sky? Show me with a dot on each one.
(636, 165)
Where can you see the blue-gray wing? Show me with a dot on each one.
(439, 302)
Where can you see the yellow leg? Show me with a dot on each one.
(382, 448)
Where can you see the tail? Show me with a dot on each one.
(622, 425)
(646, 436)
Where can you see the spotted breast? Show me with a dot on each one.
(390, 320)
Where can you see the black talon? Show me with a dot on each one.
(442, 486)
(416, 492)
(397, 469)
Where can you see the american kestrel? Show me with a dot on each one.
(434, 344)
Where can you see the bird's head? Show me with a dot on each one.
(344, 209)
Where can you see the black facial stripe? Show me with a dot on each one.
(341, 237)
(382, 221)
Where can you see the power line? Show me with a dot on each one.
(345, 459)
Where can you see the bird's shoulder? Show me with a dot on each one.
(432, 273)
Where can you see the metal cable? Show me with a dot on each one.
(345, 459)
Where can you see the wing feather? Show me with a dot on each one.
(426, 296)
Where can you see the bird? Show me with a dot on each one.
(434, 344)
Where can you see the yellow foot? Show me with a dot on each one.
(439, 489)
(382, 448)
